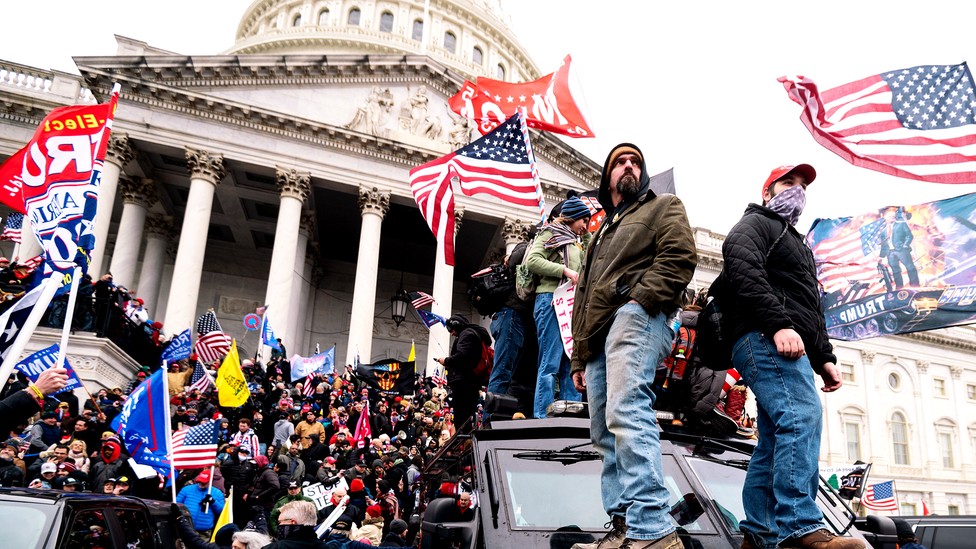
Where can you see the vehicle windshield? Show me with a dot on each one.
(31, 520)
(724, 487)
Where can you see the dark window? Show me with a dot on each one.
(354, 16)
(500, 72)
(477, 56)
(89, 530)
(386, 22)
(136, 527)
(418, 30)
(324, 17)
(450, 42)
(296, 21)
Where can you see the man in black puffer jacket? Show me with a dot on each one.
(465, 355)
(772, 300)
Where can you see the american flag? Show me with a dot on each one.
(420, 299)
(499, 164)
(33, 262)
(13, 228)
(308, 388)
(195, 447)
(212, 343)
(438, 377)
(849, 260)
(200, 378)
(880, 497)
(916, 123)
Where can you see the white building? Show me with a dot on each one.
(292, 149)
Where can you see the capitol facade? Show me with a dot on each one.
(276, 173)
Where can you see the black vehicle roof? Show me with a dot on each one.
(52, 497)
(927, 520)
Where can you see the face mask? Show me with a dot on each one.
(789, 204)
(287, 530)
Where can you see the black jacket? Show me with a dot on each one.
(466, 352)
(767, 295)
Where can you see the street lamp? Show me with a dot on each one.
(399, 303)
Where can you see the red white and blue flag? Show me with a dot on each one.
(880, 497)
(212, 343)
(142, 424)
(200, 378)
(195, 447)
(917, 123)
(420, 299)
(12, 182)
(13, 228)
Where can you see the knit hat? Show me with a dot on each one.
(65, 466)
(623, 148)
(374, 511)
(356, 485)
(574, 209)
(398, 526)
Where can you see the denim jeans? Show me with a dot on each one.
(623, 423)
(509, 335)
(553, 362)
(780, 490)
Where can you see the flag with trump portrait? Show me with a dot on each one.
(898, 269)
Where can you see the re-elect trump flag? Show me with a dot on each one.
(142, 424)
(44, 359)
(322, 363)
(179, 347)
(899, 269)
(231, 385)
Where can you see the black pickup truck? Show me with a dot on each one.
(51, 519)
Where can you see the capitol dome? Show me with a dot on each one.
(469, 36)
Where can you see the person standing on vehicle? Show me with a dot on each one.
(773, 309)
(465, 354)
(634, 275)
(508, 329)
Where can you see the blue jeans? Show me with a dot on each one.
(623, 423)
(779, 494)
(553, 362)
(509, 335)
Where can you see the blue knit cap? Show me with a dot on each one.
(574, 209)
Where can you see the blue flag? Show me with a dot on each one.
(142, 424)
(36, 363)
(179, 348)
(268, 336)
(431, 319)
(322, 363)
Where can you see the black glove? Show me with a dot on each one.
(206, 499)
(174, 511)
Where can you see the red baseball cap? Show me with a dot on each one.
(203, 477)
(806, 170)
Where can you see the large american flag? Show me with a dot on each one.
(200, 378)
(12, 230)
(848, 262)
(880, 497)
(499, 164)
(916, 123)
(420, 299)
(195, 447)
(309, 388)
(212, 343)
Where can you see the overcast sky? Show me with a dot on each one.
(692, 83)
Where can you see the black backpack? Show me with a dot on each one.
(489, 292)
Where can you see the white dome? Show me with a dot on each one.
(469, 36)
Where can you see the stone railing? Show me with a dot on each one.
(39, 81)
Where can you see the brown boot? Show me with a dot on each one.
(613, 539)
(822, 539)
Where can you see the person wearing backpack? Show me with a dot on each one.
(556, 255)
(771, 304)
(466, 352)
(508, 329)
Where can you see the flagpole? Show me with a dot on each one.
(533, 165)
(51, 286)
(68, 317)
(169, 429)
(206, 506)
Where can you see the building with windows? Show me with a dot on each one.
(276, 173)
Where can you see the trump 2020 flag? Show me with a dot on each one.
(322, 363)
(431, 319)
(61, 174)
(44, 359)
(917, 123)
(898, 269)
(268, 337)
(179, 347)
(142, 424)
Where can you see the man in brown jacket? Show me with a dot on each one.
(636, 268)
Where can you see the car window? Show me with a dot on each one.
(32, 524)
(88, 530)
(951, 537)
(135, 527)
(724, 486)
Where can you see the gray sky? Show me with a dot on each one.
(692, 83)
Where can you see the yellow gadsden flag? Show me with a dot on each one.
(227, 515)
(232, 388)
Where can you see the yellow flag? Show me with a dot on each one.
(413, 352)
(232, 388)
(227, 515)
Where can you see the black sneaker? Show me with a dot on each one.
(614, 538)
(716, 422)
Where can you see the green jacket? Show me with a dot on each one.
(273, 521)
(548, 264)
(646, 253)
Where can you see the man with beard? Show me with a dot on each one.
(309, 427)
(245, 437)
(314, 452)
(771, 302)
(635, 271)
(293, 462)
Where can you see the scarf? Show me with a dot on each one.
(561, 236)
(789, 204)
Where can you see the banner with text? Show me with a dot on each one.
(562, 301)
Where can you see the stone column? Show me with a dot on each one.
(159, 230)
(439, 343)
(514, 231)
(373, 204)
(118, 154)
(294, 187)
(295, 320)
(206, 171)
(305, 298)
(137, 196)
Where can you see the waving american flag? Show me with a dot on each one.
(195, 447)
(212, 343)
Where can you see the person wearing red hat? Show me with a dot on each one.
(196, 498)
(372, 528)
(771, 305)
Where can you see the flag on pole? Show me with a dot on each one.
(431, 319)
(390, 377)
(12, 229)
(412, 357)
(321, 363)
(226, 515)
(14, 318)
(308, 388)
(200, 378)
(12, 181)
(178, 348)
(880, 497)
(918, 123)
(142, 424)
(925, 509)
(46, 358)
(231, 385)
(438, 377)
(195, 447)
(420, 299)
(212, 343)
(363, 430)
(268, 337)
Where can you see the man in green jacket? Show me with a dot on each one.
(635, 270)
(294, 494)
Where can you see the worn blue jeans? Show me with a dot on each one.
(779, 494)
(509, 335)
(623, 423)
(553, 362)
